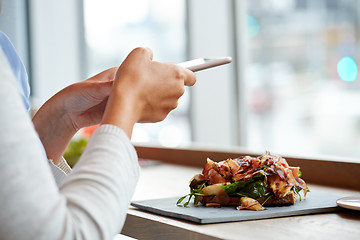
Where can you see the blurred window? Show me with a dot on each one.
(302, 84)
(14, 23)
(293, 86)
(113, 28)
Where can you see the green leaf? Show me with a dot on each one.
(230, 188)
(241, 194)
(188, 201)
(194, 193)
(254, 187)
(297, 190)
(255, 190)
(269, 196)
(181, 199)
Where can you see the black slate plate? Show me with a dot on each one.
(315, 202)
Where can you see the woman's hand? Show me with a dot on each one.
(78, 105)
(84, 102)
(145, 90)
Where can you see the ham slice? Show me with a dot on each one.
(282, 178)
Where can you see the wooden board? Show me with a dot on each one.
(316, 202)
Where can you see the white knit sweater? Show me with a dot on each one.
(90, 203)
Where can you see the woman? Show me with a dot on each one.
(92, 200)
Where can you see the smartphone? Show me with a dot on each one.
(204, 63)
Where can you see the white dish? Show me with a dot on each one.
(349, 202)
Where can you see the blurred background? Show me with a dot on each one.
(292, 88)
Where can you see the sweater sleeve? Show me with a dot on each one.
(59, 171)
(91, 203)
(103, 182)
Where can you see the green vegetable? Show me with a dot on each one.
(255, 190)
(251, 188)
(269, 196)
(297, 190)
(74, 151)
(195, 192)
(232, 187)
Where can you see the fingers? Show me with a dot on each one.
(190, 78)
(104, 76)
(177, 72)
(152, 87)
(100, 90)
(143, 54)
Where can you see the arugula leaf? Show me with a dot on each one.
(254, 188)
(181, 199)
(230, 188)
(269, 196)
(188, 201)
(194, 193)
(297, 190)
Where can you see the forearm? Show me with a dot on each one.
(106, 173)
(54, 128)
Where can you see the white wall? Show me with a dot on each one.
(214, 101)
(56, 45)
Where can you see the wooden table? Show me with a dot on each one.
(167, 178)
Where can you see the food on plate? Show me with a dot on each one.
(247, 182)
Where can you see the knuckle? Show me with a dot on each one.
(181, 91)
(179, 72)
(139, 50)
(173, 105)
